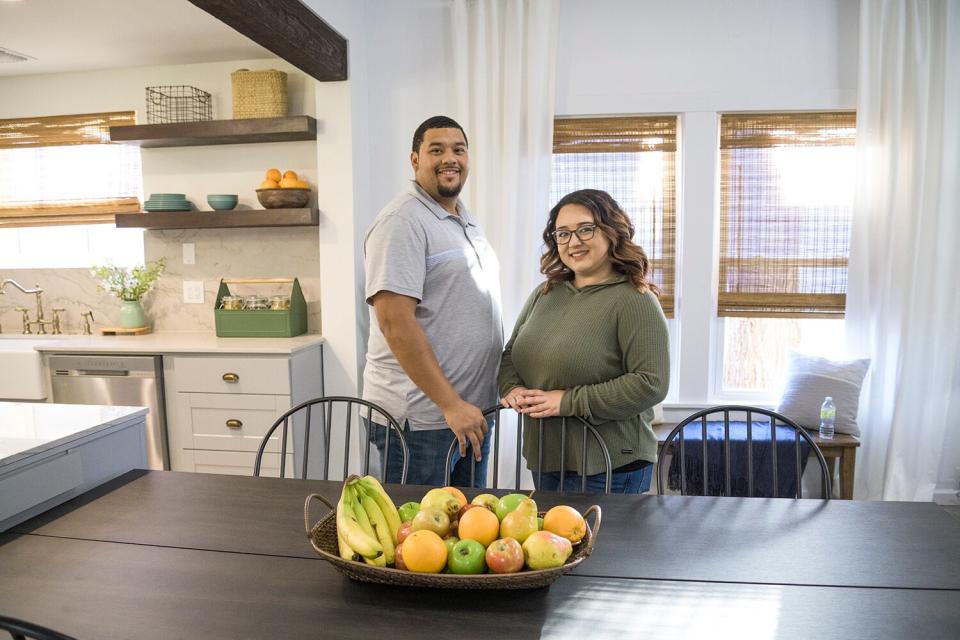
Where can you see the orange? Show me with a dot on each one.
(269, 184)
(274, 174)
(424, 552)
(459, 494)
(291, 174)
(480, 524)
(565, 522)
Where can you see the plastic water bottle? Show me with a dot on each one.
(828, 414)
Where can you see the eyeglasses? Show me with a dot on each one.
(584, 233)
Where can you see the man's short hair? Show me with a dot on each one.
(436, 122)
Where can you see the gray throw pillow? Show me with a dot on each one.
(811, 379)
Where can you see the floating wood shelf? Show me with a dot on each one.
(212, 132)
(220, 219)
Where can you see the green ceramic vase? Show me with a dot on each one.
(131, 314)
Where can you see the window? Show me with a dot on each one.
(633, 159)
(786, 195)
(58, 171)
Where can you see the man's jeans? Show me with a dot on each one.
(625, 482)
(428, 453)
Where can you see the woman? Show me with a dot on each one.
(591, 342)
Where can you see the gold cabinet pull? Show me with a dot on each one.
(233, 423)
(231, 377)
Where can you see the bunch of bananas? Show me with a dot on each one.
(367, 522)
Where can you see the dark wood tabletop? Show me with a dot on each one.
(105, 590)
(749, 540)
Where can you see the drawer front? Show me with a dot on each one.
(42, 481)
(235, 375)
(235, 422)
(239, 463)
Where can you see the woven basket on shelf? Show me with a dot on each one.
(323, 538)
(259, 94)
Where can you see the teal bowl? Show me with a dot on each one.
(222, 202)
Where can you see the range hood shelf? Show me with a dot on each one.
(220, 219)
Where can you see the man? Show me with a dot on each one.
(436, 339)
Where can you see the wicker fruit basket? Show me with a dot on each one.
(323, 537)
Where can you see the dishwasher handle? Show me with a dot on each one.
(94, 373)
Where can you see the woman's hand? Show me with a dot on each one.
(541, 404)
(513, 398)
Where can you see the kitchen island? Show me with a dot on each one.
(50, 453)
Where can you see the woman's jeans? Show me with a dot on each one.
(624, 482)
(428, 453)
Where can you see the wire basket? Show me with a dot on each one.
(178, 103)
(323, 539)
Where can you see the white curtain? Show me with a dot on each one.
(504, 53)
(903, 301)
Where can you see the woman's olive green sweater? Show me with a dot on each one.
(606, 346)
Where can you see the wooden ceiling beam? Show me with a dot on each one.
(289, 29)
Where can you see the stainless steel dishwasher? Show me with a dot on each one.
(116, 380)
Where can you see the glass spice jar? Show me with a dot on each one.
(232, 303)
(279, 303)
(256, 302)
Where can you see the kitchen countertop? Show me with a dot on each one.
(160, 343)
(27, 428)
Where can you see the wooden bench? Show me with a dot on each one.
(841, 446)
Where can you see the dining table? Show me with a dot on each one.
(161, 554)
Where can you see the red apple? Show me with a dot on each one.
(403, 531)
(505, 556)
(398, 558)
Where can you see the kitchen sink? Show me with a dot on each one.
(21, 367)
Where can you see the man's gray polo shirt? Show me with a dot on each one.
(418, 249)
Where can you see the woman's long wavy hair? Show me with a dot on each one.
(626, 256)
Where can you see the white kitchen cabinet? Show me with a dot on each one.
(219, 407)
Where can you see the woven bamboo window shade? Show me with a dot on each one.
(633, 158)
(784, 220)
(42, 186)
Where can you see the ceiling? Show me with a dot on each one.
(83, 35)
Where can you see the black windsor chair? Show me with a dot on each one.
(23, 630)
(586, 429)
(751, 450)
(303, 416)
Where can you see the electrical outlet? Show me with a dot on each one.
(189, 253)
(193, 291)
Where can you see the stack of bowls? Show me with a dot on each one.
(222, 202)
(167, 202)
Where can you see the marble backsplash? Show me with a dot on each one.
(220, 253)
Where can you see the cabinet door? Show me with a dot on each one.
(223, 422)
(233, 374)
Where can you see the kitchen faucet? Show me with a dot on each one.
(40, 321)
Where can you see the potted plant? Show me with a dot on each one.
(129, 285)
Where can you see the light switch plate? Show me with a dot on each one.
(193, 291)
(189, 253)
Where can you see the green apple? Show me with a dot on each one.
(539, 523)
(467, 557)
(443, 500)
(450, 541)
(487, 500)
(432, 520)
(508, 503)
(407, 510)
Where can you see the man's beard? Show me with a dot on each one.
(450, 192)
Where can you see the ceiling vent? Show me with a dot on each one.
(8, 55)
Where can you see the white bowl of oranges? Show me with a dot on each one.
(283, 190)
